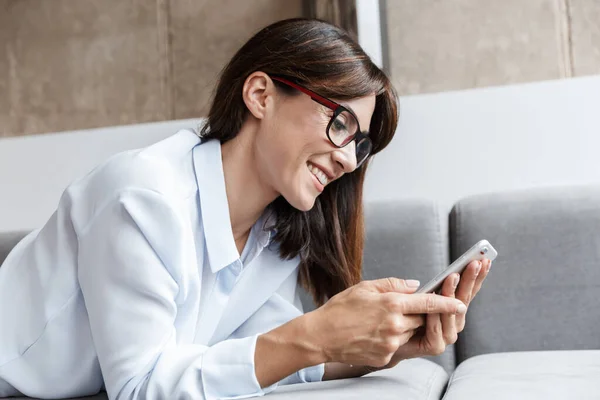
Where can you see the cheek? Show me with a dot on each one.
(299, 136)
(276, 150)
(285, 146)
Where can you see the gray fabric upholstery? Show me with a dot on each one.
(416, 379)
(7, 242)
(403, 239)
(542, 290)
(528, 375)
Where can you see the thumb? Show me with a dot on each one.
(395, 285)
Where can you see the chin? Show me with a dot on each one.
(302, 203)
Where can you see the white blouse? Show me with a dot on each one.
(135, 285)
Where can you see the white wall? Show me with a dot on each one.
(449, 145)
(34, 170)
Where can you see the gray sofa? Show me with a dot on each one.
(533, 331)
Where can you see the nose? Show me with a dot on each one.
(345, 158)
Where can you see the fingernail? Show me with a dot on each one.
(461, 309)
(412, 283)
(456, 280)
(489, 266)
(478, 268)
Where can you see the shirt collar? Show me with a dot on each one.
(214, 208)
(264, 228)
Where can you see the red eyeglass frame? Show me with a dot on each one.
(337, 110)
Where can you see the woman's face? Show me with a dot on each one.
(297, 160)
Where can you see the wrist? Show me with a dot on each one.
(306, 336)
(297, 340)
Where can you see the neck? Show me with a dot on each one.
(247, 195)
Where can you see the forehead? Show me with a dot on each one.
(363, 107)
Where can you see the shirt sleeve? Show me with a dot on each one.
(280, 308)
(132, 264)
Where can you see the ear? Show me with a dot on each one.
(256, 93)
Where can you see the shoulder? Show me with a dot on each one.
(164, 167)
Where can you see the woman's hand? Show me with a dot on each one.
(442, 330)
(367, 323)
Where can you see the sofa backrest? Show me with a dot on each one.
(542, 290)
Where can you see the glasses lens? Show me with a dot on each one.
(363, 149)
(343, 128)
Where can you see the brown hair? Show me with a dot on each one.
(321, 57)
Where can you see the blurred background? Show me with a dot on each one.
(495, 94)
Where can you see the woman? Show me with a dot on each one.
(172, 271)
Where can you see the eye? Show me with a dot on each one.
(339, 126)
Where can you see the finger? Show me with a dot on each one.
(434, 339)
(485, 270)
(395, 285)
(467, 282)
(397, 321)
(460, 322)
(448, 287)
(429, 303)
(412, 322)
(405, 337)
(464, 292)
(449, 331)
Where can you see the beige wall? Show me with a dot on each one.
(71, 64)
(439, 45)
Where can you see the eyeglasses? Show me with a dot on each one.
(343, 127)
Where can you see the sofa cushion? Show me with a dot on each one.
(415, 379)
(541, 290)
(8, 240)
(527, 375)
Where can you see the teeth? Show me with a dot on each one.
(319, 174)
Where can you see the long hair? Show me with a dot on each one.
(324, 58)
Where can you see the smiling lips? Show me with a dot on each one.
(318, 173)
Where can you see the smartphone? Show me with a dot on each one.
(481, 250)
